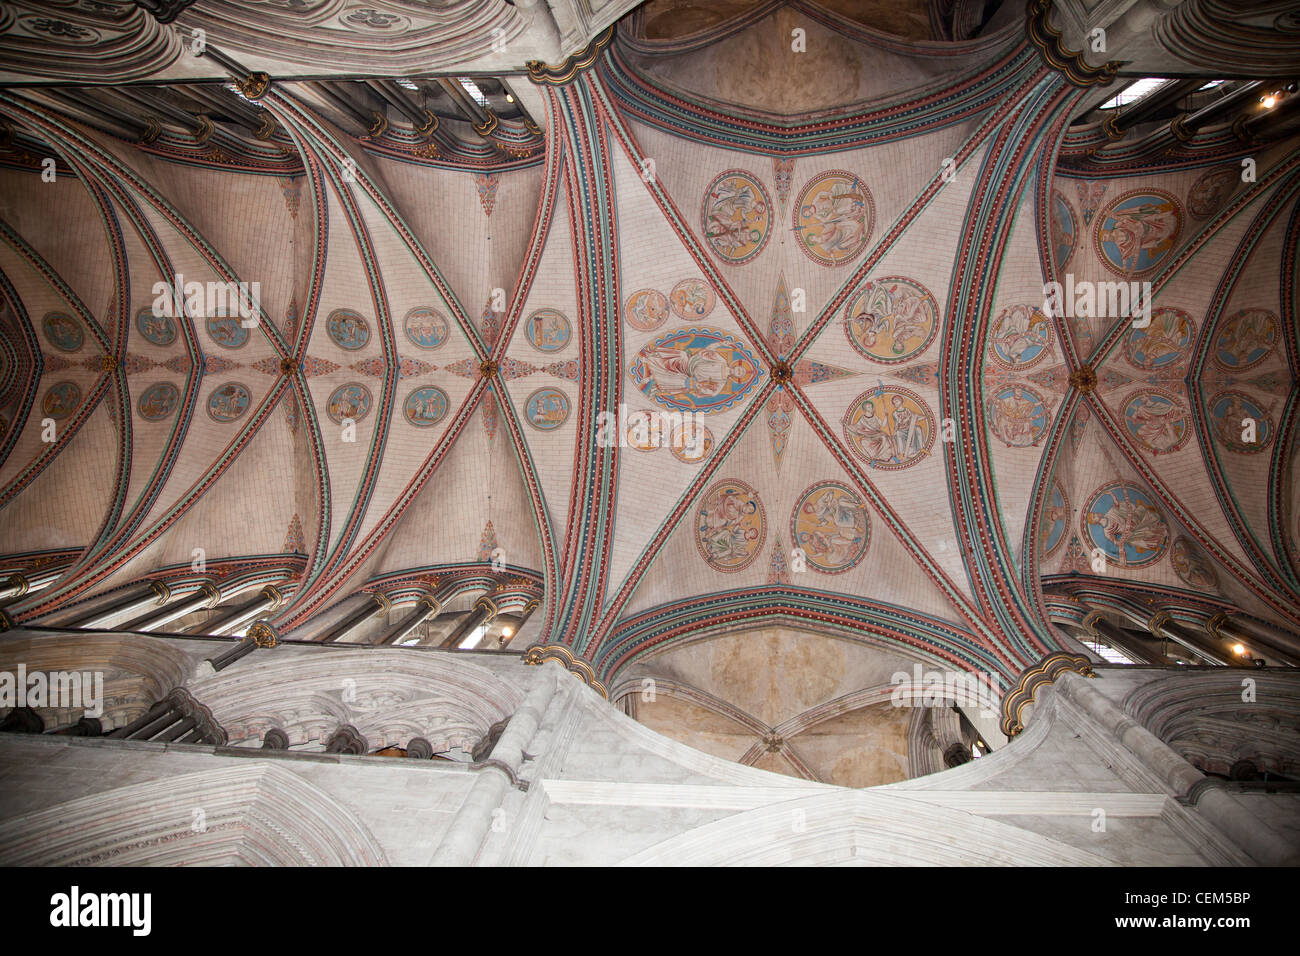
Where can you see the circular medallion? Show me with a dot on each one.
(1162, 343)
(1245, 338)
(1240, 423)
(63, 331)
(831, 526)
(158, 329)
(547, 330)
(644, 430)
(1211, 191)
(1137, 231)
(692, 299)
(348, 329)
(730, 526)
(1056, 517)
(425, 406)
(1063, 228)
(690, 442)
(1018, 415)
(61, 400)
(889, 427)
(228, 402)
(1021, 337)
(425, 328)
(737, 216)
(158, 401)
(646, 310)
(226, 331)
(695, 370)
(1193, 566)
(351, 401)
(1124, 523)
(547, 408)
(834, 217)
(891, 319)
(1156, 421)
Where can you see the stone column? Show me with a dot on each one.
(463, 839)
(136, 597)
(427, 606)
(21, 583)
(260, 634)
(1162, 624)
(374, 603)
(1274, 642)
(1108, 633)
(519, 623)
(208, 595)
(484, 611)
(233, 618)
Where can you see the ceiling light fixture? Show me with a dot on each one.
(1238, 649)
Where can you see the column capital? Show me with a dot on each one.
(263, 634)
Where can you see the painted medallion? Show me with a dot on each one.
(63, 331)
(226, 331)
(425, 328)
(351, 401)
(1162, 343)
(1064, 230)
(1191, 564)
(1157, 421)
(831, 525)
(1137, 231)
(690, 442)
(1240, 423)
(644, 430)
(158, 329)
(61, 400)
(425, 406)
(730, 526)
(737, 216)
(1211, 190)
(692, 299)
(646, 310)
(891, 319)
(547, 408)
(834, 217)
(1018, 415)
(547, 330)
(228, 402)
(1021, 337)
(1056, 518)
(695, 370)
(1123, 521)
(158, 401)
(889, 427)
(348, 329)
(1245, 338)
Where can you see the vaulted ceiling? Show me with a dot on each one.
(834, 257)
